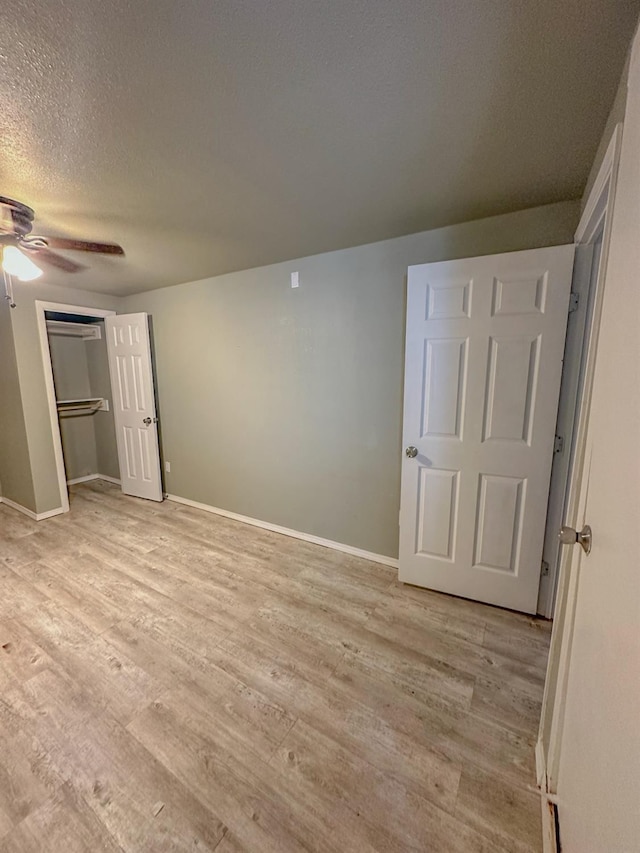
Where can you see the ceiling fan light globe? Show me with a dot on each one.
(19, 265)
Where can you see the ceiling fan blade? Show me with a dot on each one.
(83, 246)
(58, 261)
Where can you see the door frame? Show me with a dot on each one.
(580, 341)
(41, 309)
(597, 215)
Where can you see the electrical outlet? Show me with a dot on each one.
(167, 467)
(295, 279)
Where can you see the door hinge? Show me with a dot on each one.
(558, 444)
(574, 301)
(545, 569)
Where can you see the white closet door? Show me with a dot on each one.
(134, 405)
(485, 340)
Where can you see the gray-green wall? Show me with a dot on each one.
(16, 482)
(285, 405)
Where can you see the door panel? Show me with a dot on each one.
(437, 513)
(485, 340)
(511, 388)
(134, 403)
(445, 363)
(498, 531)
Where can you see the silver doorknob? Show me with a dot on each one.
(411, 452)
(569, 536)
(146, 421)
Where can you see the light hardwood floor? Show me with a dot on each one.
(171, 680)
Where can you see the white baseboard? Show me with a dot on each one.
(286, 531)
(34, 516)
(50, 514)
(41, 516)
(84, 479)
(28, 512)
(90, 477)
(547, 800)
(106, 477)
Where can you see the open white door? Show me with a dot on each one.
(134, 405)
(485, 341)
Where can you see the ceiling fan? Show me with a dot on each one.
(16, 222)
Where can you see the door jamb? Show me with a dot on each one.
(598, 210)
(41, 308)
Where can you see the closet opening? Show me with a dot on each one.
(98, 371)
(83, 397)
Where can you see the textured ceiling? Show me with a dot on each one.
(213, 135)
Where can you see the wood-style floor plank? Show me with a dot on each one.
(63, 823)
(172, 680)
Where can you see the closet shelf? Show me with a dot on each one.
(87, 331)
(85, 405)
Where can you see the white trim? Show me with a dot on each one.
(598, 209)
(34, 516)
(62, 308)
(84, 479)
(593, 209)
(286, 531)
(29, 512)
(90, 477)
(106, 477)
(41, 516)
(82, 310)
(541, 769)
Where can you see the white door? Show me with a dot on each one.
(598, 786)
(485, 340)
(134, 404)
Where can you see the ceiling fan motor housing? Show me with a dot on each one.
(21, 215)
